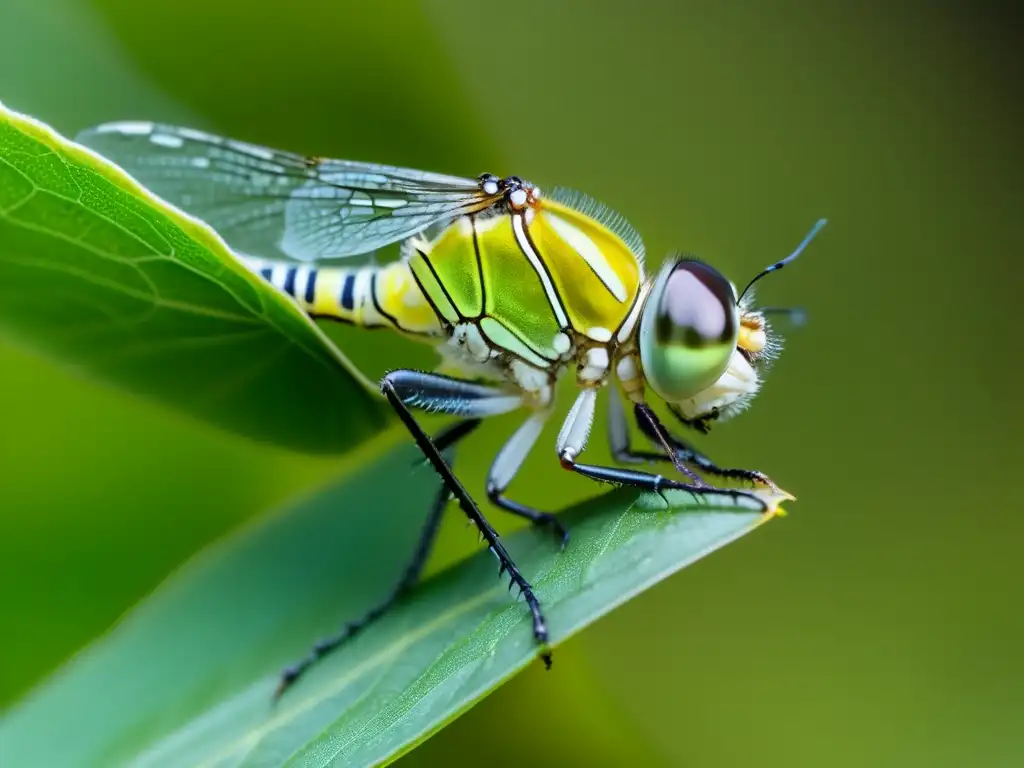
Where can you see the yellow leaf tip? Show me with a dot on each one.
(773, 499)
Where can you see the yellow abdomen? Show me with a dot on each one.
(370, 296)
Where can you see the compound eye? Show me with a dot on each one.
(689, 330)
(698, 308)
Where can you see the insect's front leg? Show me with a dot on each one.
(573, 438)
(682, 451)
(700, 424)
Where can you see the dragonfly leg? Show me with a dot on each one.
(508, 462)
(441, 393)
(450, 436)
(446, 441)
(701, 424)
(573, 438)
(648, 481)
(409, 577)
(622, 451)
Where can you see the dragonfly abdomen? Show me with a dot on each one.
(368, 296)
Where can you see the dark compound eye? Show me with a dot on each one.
(688, 330)
(697, 307)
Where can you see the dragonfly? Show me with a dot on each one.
(513, 287)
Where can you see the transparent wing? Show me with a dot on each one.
(276, 204)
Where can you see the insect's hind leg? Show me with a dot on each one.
(623, 452)
(428, 535)
(444, 394)
(409, 577)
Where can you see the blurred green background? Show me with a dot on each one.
(880, 623)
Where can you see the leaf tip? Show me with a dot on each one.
(773, 499)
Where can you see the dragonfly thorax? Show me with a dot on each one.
(526, 293)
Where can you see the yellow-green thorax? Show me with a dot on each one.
(537, 283)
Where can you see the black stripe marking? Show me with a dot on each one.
(266, 273)
(311, 286)
(376, 304)
(479, 268)
(348, 301)
(441, 319)
(440, 285)
(345, 321)
(289, 281)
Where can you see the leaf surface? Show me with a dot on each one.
(186, 679)
(101, 276)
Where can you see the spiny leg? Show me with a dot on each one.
(504, 468)
(573, 439)
(622, 450)
(618, 439)
(446, 439)
(409, 577)
(648, 481)
(465, 399)
(648, 421)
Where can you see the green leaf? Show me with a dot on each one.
(101, 276)
(186, 679)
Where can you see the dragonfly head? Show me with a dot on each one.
(517, 193)
(689, 332)
(703, 347)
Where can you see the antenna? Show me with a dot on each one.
(796, 315)
(780, 264)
